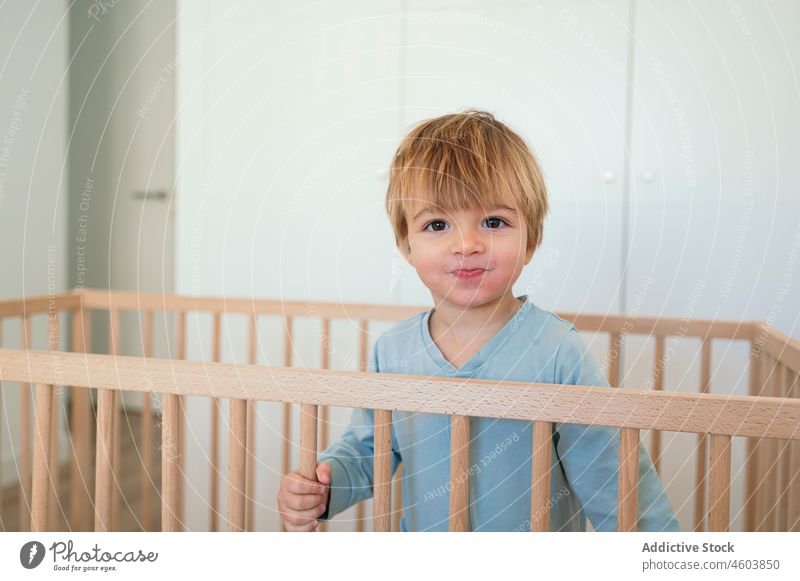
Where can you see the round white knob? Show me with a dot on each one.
(609, 176)
(648, 175)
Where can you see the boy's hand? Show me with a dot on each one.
(301, 501)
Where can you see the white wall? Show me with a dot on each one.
(33, 216)
(288, 112)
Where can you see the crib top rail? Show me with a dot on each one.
(766, 338)
(643, 409)
(136, 301)
(39, 304)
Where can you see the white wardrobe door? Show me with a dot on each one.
(715, 190)
(290, 111)
(555, 72)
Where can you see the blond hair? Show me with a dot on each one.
(463, 160)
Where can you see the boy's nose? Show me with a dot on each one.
(467, 243)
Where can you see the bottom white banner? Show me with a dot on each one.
(386, 556)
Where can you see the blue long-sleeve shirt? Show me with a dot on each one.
(535, 345)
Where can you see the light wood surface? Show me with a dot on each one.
(540, 477)
(81, 418)
(628, 482)
(382, 485)
(702, 443)
(644, 409)
(459, 474)
(147, 430)
(236, 464)
(25, 434)
(719, 487)
(214, 460)
(104, 475)
(41, 458)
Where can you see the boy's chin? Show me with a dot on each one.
(471, 299)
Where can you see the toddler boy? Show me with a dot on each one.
(467, 202)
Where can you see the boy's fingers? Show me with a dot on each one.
(312, 526)
(296, 484)
(298, 502)
(303, 517)
(324, 472)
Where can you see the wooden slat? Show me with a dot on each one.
(459, 474)
(25, 434)
(2, 429)
(771, 480)
(765, 453)
(181, 419)
(397, 495)
(754, 389)
(762, 451)
(41, 458)
(216, 410)
(308, 441)
(147, 430)
(250, 465)
(54, 514)
(116, 425)
(104, 477)
(81, 474)
(540, 476)
(382, 485)
(784, 461)
(719, 488)
(287, 407)
(702, 443)
(237, 464)
(794, 495)
(658, 385)
(325, 350)
(628, 491)
(614, 349)
(324, 420)
(170, 463)
(732, 415)
(363, 339)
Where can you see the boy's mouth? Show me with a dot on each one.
(468, 274)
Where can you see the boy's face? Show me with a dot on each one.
(466, 257)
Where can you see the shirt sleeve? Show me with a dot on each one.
(589, 455)
(352, 457)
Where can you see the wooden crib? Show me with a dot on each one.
(85, 492)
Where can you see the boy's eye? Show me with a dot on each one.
(436, 224)
(494, 222)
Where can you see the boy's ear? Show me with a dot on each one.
(529, 254)
(405, 249)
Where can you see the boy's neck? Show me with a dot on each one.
(460, 324)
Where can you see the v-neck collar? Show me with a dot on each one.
(485, 353)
